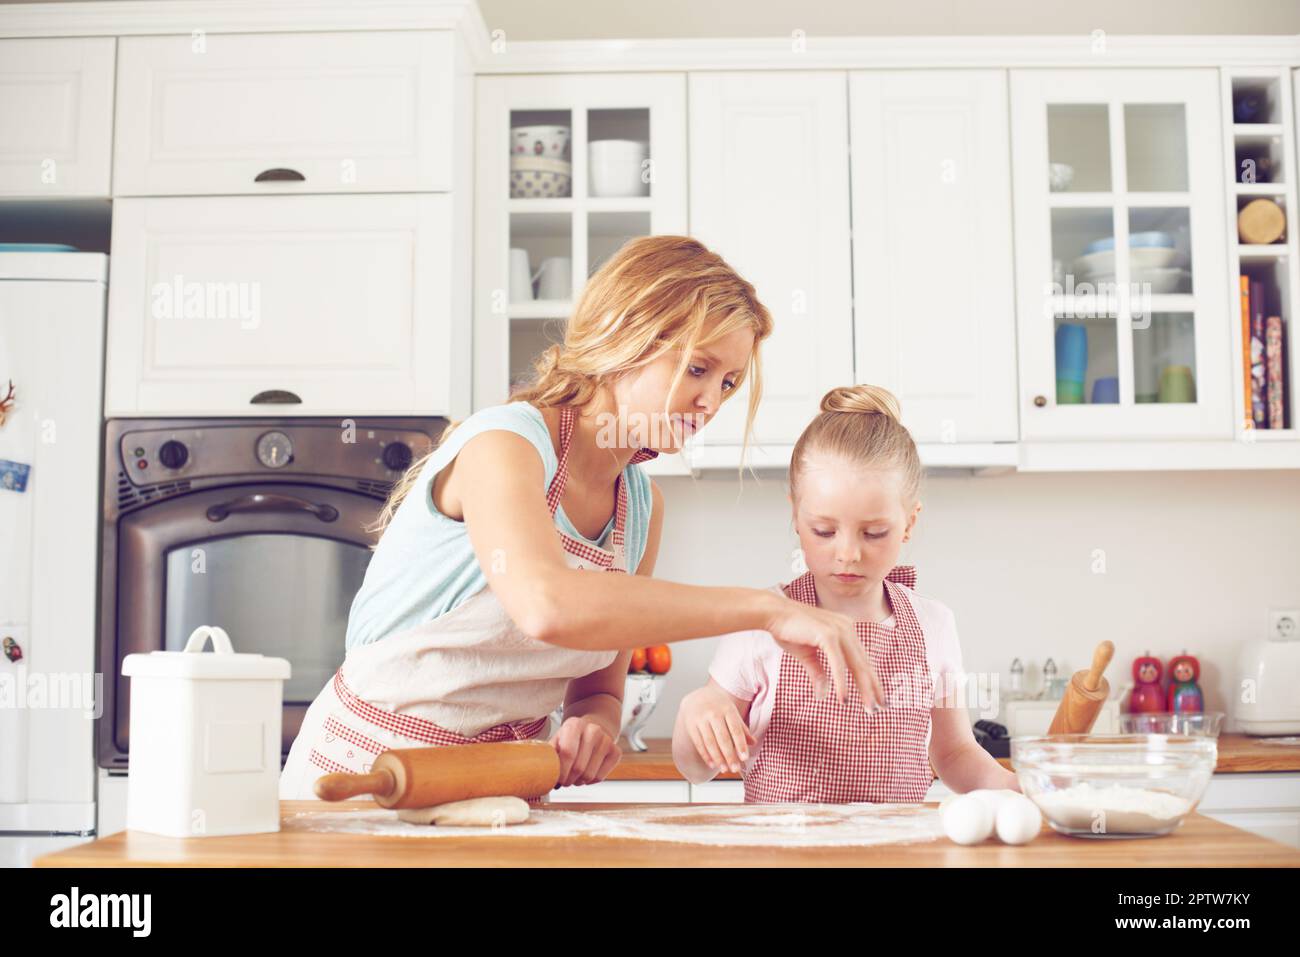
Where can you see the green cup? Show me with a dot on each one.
(1176, 385)
(1069, 392)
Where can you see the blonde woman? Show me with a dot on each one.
(486, 604)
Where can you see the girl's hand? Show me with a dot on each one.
(716, 729)
(587, 752)
(801, 629)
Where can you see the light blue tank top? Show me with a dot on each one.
(424, 565)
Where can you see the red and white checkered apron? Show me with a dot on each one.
(343, 732)
(826, 752)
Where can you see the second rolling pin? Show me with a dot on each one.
(1086, 693)
(423, 777)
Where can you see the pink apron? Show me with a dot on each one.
(471, 662)
(826, 752)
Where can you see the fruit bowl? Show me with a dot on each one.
(1125, 785)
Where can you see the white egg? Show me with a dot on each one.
(993, 798)
(1018, 820)
(967, 820)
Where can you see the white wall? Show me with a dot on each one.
(1192, 561)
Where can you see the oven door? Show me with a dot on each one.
(275, 565)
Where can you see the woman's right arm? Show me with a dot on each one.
(499, 479)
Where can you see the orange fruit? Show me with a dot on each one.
(638, 660)
(660, 659)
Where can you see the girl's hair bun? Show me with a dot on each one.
(862, 398)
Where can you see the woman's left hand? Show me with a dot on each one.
(587, 752)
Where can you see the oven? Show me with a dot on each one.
(258, 525)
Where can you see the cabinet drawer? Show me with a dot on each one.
(624, 792)
(342, 112)
(56, 116)
(344, 301)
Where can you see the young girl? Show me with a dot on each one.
(480, 613)
(854, 483)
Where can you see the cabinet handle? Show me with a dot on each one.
(279, 175)
(1040, 400)
(275, 397)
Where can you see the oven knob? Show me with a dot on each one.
(397, 456)
(274, 450)
(173, 454)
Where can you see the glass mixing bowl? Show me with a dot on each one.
(1123, 785)
(1167, 722)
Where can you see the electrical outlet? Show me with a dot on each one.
(1283, 625)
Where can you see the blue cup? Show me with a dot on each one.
(1071, 352)
(1105, 390)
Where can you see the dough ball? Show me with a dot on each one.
(474, 812)
(1018, 820)
(967, 820)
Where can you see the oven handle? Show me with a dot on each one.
(260, 502)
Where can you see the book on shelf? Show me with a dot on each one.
(1275, 372)
(1258, 375)
(1245, 351)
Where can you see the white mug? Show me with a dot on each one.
(557, 278)
(521, 276)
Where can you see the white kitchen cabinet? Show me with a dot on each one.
(298, 305)
(933, 277)
(1267, 804)
(1123, 299)
(342, 112)
(624, 792)
(718, 792)
(770, 194)
(56, 116)
(563, 238)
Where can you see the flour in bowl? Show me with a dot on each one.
(1112, 810)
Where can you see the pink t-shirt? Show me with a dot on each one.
(747, 663)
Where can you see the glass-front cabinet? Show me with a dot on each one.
(568, 168)
(1123, 299)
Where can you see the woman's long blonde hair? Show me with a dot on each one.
(861, 424)
(656, 294)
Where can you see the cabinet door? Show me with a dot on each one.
(1124, 305)
(770, 194)
(221, 306)
(934, 302)
(273, 113)
(557, 237)
(56, 116)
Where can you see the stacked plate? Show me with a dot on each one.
(1154, 261)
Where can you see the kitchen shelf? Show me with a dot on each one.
(1258, 251)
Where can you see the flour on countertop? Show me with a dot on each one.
(1115, 810)
(787, 825)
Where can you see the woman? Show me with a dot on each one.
(479, 614)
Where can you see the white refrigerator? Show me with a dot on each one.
(52, 351)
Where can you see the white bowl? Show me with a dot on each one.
(616, 167)
(535, 177)
(1102, 263)
(539, 140)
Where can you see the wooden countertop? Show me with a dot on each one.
(1237, 753)
(1200, 842)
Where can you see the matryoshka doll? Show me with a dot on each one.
(1146, 697)
(1184, 692)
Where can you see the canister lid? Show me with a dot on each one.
(223, 662)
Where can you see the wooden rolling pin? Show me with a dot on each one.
(1083, 698)
(423, 777)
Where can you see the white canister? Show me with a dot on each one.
(205, 739)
